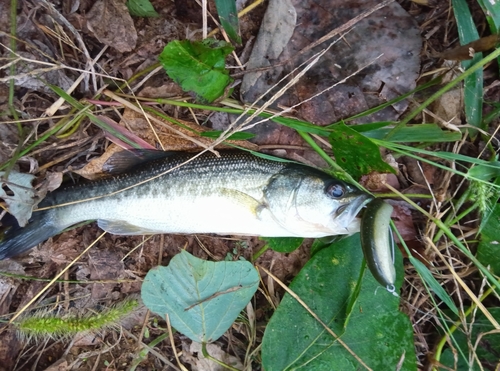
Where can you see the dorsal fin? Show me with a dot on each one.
(124, 161)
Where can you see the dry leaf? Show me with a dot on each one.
(397, 43)
(93, 169)
(19, 195)
(204, 364)
(170, 140)
(111, 23)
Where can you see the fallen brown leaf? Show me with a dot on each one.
(111, 23)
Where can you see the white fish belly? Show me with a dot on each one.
(215, 214)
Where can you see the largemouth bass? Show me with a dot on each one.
(235, 194)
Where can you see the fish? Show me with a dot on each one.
(237, 193)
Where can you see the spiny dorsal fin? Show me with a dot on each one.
(124, 161)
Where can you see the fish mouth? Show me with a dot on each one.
(348, 212)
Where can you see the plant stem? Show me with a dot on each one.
(454, 327)
(461, 247)
(208, 356)
(261, 251)
(450, 219)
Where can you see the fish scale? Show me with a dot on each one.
(205, 164)
(234, 194)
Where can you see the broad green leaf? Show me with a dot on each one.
(377, 332)
(283, 244)
(433, 284)
(202, 298)
(198, 67)
(487, 351)
(228, 15)
(236, 136)
(141, 8)
(488, 251)
(355, 153)
(323, 242)
(473, 84)
(353, 298)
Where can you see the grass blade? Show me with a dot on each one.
(477, 66)
(228, 15)
(492, 11)
(473, 84)
(434, 285)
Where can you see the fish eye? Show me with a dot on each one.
(335, 190)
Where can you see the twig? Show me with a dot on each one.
(89, 65)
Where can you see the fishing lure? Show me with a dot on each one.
(377, 242)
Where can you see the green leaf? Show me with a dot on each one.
(355, 153)
(377, 332)
(491, 195)
(323, 242)
(473, 84)
(378, 130)
(268, 157)
(485, 172)
(433, 284)
(492, 11)
(460, 157)
(430, 133)
(487, 350)
(236, 136)
(202, 298)
(198, 67)
(141, 8)
(488, 251)
(85, 110)
(228, 15)
(409, 134)
(283, 244)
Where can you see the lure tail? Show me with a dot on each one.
(16, 240)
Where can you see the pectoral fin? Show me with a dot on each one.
(123, 228)
(243, 199)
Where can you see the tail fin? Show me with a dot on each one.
(17, 240)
